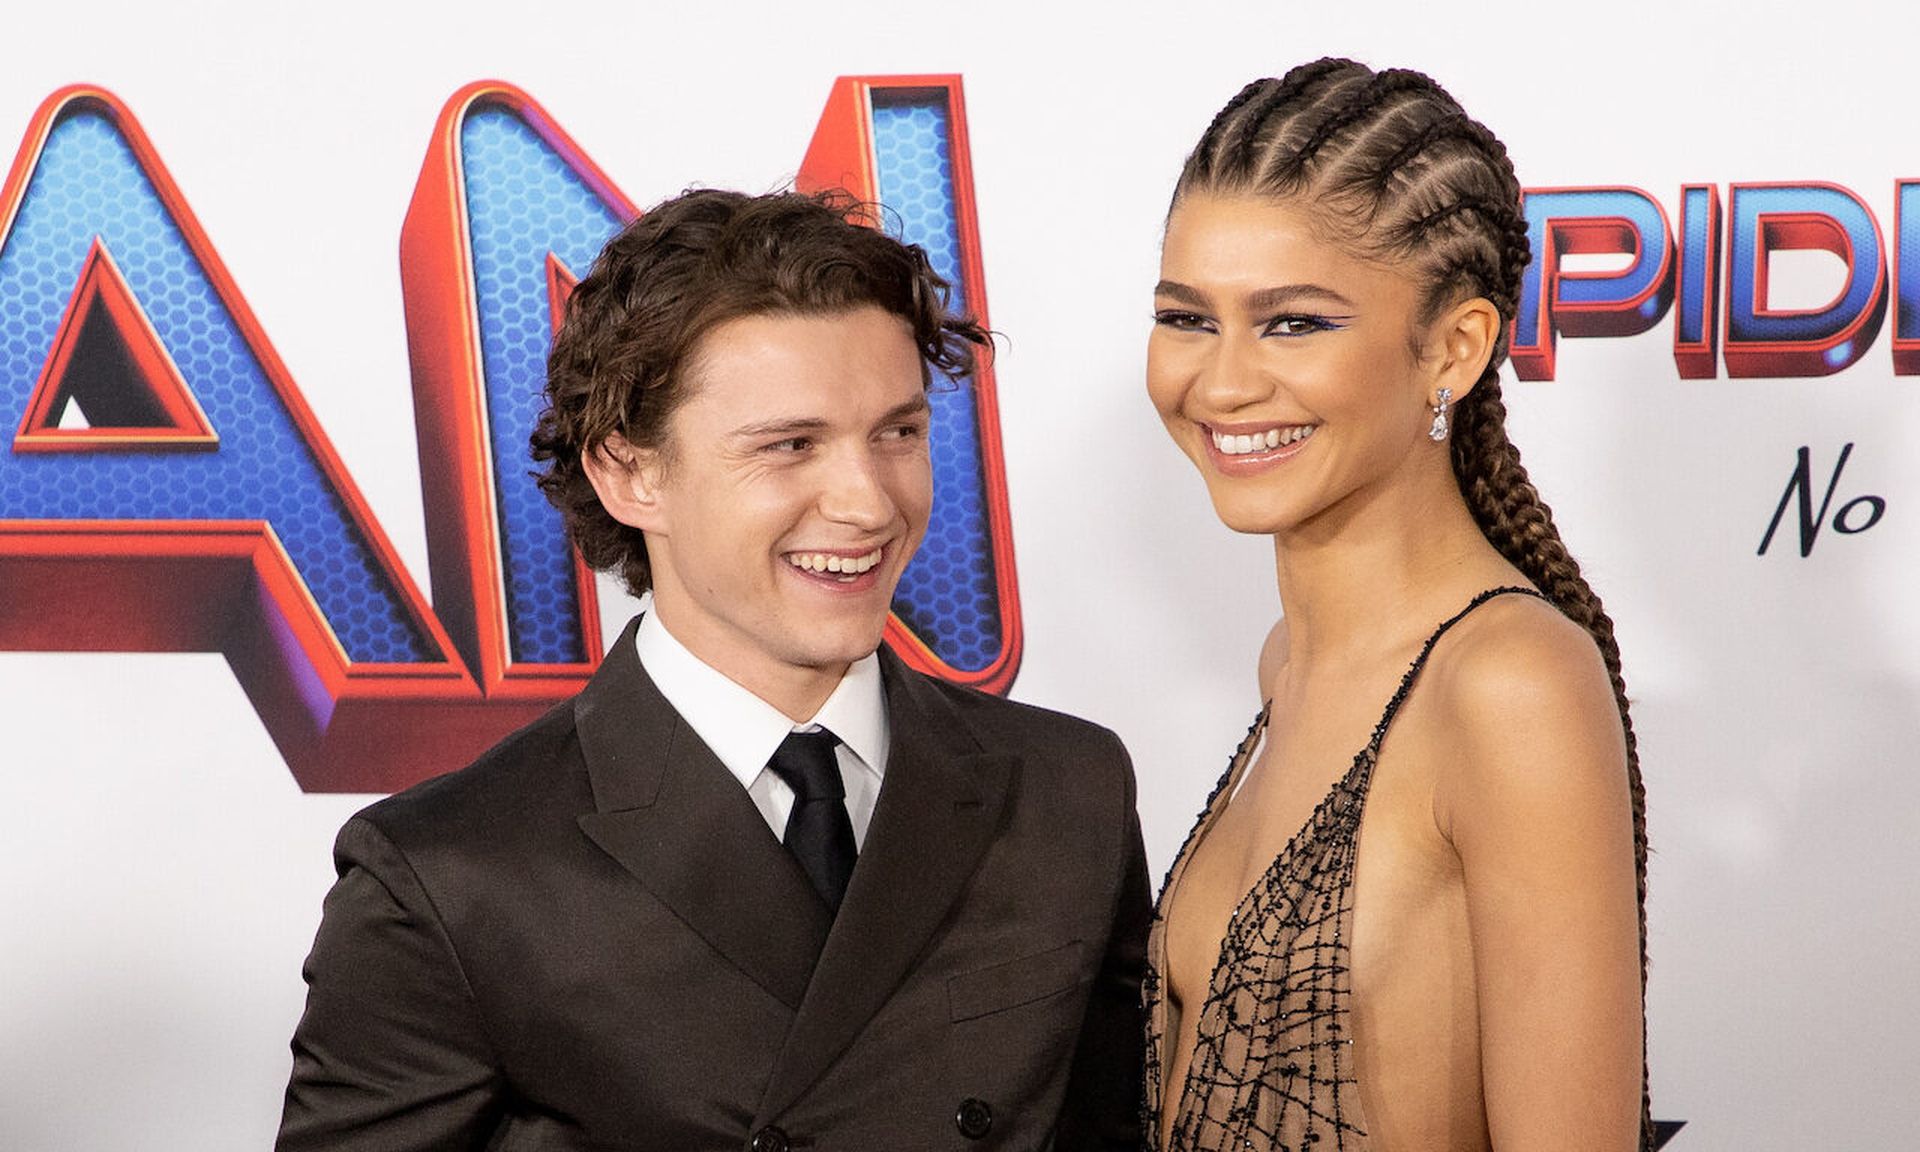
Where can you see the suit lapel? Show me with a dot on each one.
(939, 806)
(671, 814)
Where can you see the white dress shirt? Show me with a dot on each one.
(744, 730)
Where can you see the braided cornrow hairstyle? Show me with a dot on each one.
(1398, 167)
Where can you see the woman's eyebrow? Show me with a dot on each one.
(1180, 293)
(1268, 299)
(1259, 300)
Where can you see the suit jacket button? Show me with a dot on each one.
(974, 1118)
(770, 1139)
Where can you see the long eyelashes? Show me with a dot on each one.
(1287, 324)
(1301, 324)
(1181, 321)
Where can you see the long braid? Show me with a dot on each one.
(1414, 179)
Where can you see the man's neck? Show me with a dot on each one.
(796, 690)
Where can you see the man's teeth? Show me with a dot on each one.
(1230, 444)
(839, 565)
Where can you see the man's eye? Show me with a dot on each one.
(791, 444)
(1179, 321)
(904, 432)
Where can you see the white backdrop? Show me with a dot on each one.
(163, 874)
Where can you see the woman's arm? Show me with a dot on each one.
(1536, 804)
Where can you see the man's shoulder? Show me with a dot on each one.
(1075, 780)
(531, 770)
(1012, 725)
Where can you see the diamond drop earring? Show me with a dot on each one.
(1439, 430)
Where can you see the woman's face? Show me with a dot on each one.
(1283, 365)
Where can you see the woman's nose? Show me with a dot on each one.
(1231, 376)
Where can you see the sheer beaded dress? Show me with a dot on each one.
(1272, 1064)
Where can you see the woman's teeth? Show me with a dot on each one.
(845, 567)
(1230, 444)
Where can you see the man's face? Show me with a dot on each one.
(793, 489)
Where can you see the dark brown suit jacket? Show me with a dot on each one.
(590, 939)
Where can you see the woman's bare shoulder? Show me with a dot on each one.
(1525, 705)
(1513, 657)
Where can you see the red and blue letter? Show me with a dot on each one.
(1622, 222)
(1767, 218)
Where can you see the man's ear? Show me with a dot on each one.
(1460, 343)
(627, 480)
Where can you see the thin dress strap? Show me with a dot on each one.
(1426, 650)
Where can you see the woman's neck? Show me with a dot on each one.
(1350, 579)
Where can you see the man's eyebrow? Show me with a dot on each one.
(918, 406)
(808, 425)
(793, 426)
(1261, 300)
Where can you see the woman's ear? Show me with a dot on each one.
(627, 480)
(1461, 342)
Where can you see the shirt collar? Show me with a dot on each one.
(743, 730)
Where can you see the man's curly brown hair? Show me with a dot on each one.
(685, 267)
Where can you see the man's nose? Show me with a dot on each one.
(854, 491)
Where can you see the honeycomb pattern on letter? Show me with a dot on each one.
(88, 182)
(523, 201)
(947, 596)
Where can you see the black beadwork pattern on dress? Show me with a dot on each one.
(1272, 1066)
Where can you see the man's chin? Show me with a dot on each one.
(839, 647)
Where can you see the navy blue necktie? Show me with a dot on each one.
(819, 831)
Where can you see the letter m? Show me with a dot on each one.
(168, 489)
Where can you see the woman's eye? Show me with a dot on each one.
(1181, 321)
(1296, 325)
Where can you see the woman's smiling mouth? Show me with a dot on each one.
(1248, 443)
